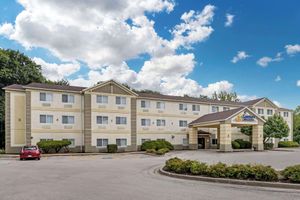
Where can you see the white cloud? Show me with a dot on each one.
(55, 71)
(265, 61)
(277, 103)
(241, 55)
(278, 78)
(292, 49)
(229, 20)
(6, 29)
(298, 83)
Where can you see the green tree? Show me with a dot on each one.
(296, 124)
(275, 127)
(15, 68)
(297, 134)
(225, 96)
(247, 130)
(59, 82)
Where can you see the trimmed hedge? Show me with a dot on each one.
(292, 173)
(158, 152)
(288, 144)
(221, 170)
(268, 146)
(112, 148)
(54, 145)
(157, 144)
(235, 145)
(244, 144)
(2, 151)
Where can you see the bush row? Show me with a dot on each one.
(156, 144)
(287, 144)
(292, 173)
(241, 144)
(159, 151)
(112, 148)
(55, 145)
(221, 170)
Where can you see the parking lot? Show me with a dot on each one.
(131, 176)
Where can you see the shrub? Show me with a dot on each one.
(243, 144)
(235, 145)
(287, 144)
(162, 151)
(174, 165)
(264, 173)
(112, 148)
(217, 170)
(268, 146)
(239, 171)
(151, 151)
(198, 168)
(2, 151)
(292, 173)
(55, 145)
(156, 144)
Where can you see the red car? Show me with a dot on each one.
(32, 152)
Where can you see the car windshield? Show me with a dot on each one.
(30, 148)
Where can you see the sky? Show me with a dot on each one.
(173, 46)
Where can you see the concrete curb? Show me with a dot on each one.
(231, 181)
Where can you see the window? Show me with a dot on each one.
(183, 106)
(45, 139)
(185, 142)
(121, 120)
(102, 99)
(215, 109)
(145, 122)
(46, 96)
(102, 142)
(226, 108)
(145, 104)
(67, 98)
(121, 142)
(285, 114)
(46, 119)
(102, 119)
(161, 139)
(214, 141)
(270, 112)
(182, 123)
(121, 100)
(68, 119)
(160, 105)
(196, 107)
(144, 140)
(160, 122)
(72, 142)
(260, 111)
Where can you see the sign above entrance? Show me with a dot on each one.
(244, 118)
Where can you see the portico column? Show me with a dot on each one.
(225, 137)
(257, 137)
(193, 138)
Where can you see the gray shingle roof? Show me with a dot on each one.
(54, 87)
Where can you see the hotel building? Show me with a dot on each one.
(110, 113)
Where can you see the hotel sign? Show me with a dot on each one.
(244, 118)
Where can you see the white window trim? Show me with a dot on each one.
(102, 97)
(102, 142)
(102, 116)
(46, 119)
(68, 102)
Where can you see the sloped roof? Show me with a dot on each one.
(251, 102)
(14, 87)
(54, 87)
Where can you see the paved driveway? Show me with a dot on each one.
(128, 177)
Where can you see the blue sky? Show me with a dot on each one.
(259, 29)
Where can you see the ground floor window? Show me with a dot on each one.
(101, 142)
(121, 142)
(145, 140)
(185, 142)
(214, 141)
(44, 139)
(71, 140)
(161, 139)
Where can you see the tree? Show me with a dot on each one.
(225, 96)
(297, 134)
(247, 130)
(58, 82)
(275, 127)
(15, 68)
(296, 124)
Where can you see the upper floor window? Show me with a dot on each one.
(145, 104)
(102, 119)
(46, 119)
(215, 109)
(120, 100)
(196, 107)
(260, 111)
(160, 122)
(145, 122)
(270, 112)
(46, 96)
(285, 114)
(182, 123)
(68, 119)
(121, 120)
(102, 99)
(67, 98)
(183, 106)
(160, 105)
(226, 108)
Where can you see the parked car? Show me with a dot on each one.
(32, 152)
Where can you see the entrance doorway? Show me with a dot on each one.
(201, 143)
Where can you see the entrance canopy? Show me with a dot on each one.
(224, 121)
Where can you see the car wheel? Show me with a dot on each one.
(21, 158)
(39, 158)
